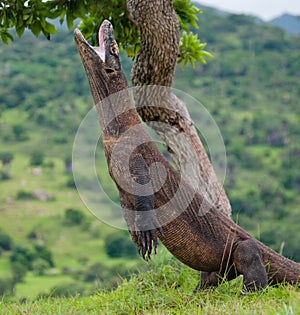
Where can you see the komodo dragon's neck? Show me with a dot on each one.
(107, 81)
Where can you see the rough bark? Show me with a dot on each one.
(169, 117)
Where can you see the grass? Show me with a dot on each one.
(40, 285)
(166, 289)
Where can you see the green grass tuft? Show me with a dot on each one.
(166, 289)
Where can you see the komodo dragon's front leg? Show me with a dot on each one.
(145, 221)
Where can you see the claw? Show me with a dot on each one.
(143, 240)
(149, 243)
(144, 250)
(160, 230)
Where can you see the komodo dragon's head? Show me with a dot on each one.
(102, 63)
(108, 48)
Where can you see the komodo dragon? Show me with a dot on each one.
(156, 201)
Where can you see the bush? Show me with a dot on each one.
(19, 271)
(40, 266)
(97, 271)
(42, 252)
(4, 175)
(32, 235)
(5, 241)
(6, 157)
(71, 183)
(24, 195)
(119, 245)
(23, 255)
(37, 158)
(19, 132)
(74, 217)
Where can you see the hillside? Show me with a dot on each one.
(251, 89)
(288, 22)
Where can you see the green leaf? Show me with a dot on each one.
(20, 30)
(4, 38)
(62, 17)
(35, 28)
(191, 50)
(186, 13)
(49, 28)
(70, 19)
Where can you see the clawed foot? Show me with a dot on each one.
(146, 241)
(146, 238)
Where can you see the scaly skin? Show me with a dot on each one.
(191, 228)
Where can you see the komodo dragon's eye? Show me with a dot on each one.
(114, 49)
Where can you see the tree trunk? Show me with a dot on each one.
(168, 115)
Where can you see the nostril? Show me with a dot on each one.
(109, 70)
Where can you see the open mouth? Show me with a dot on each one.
(103, 36)
(101, 50)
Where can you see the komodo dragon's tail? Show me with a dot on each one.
(279, 268)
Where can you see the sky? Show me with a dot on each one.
(265, 9)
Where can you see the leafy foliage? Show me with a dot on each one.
(5, 241)
(24, 259)
(37, 158)
(35, 16)
(187, 14)
(74, 217)
(6, 157)
(192, 49)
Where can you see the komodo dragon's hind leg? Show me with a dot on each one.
(247, 261)
(213, 279)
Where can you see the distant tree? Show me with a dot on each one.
(24, 195)
(23, 256)
(37, 158)
(74, 217)
(40, 266)
(44, 253)
(70, 182)
(19, 132)
(19, 271)
(5, 241)
(6, 158)
(119, 245)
